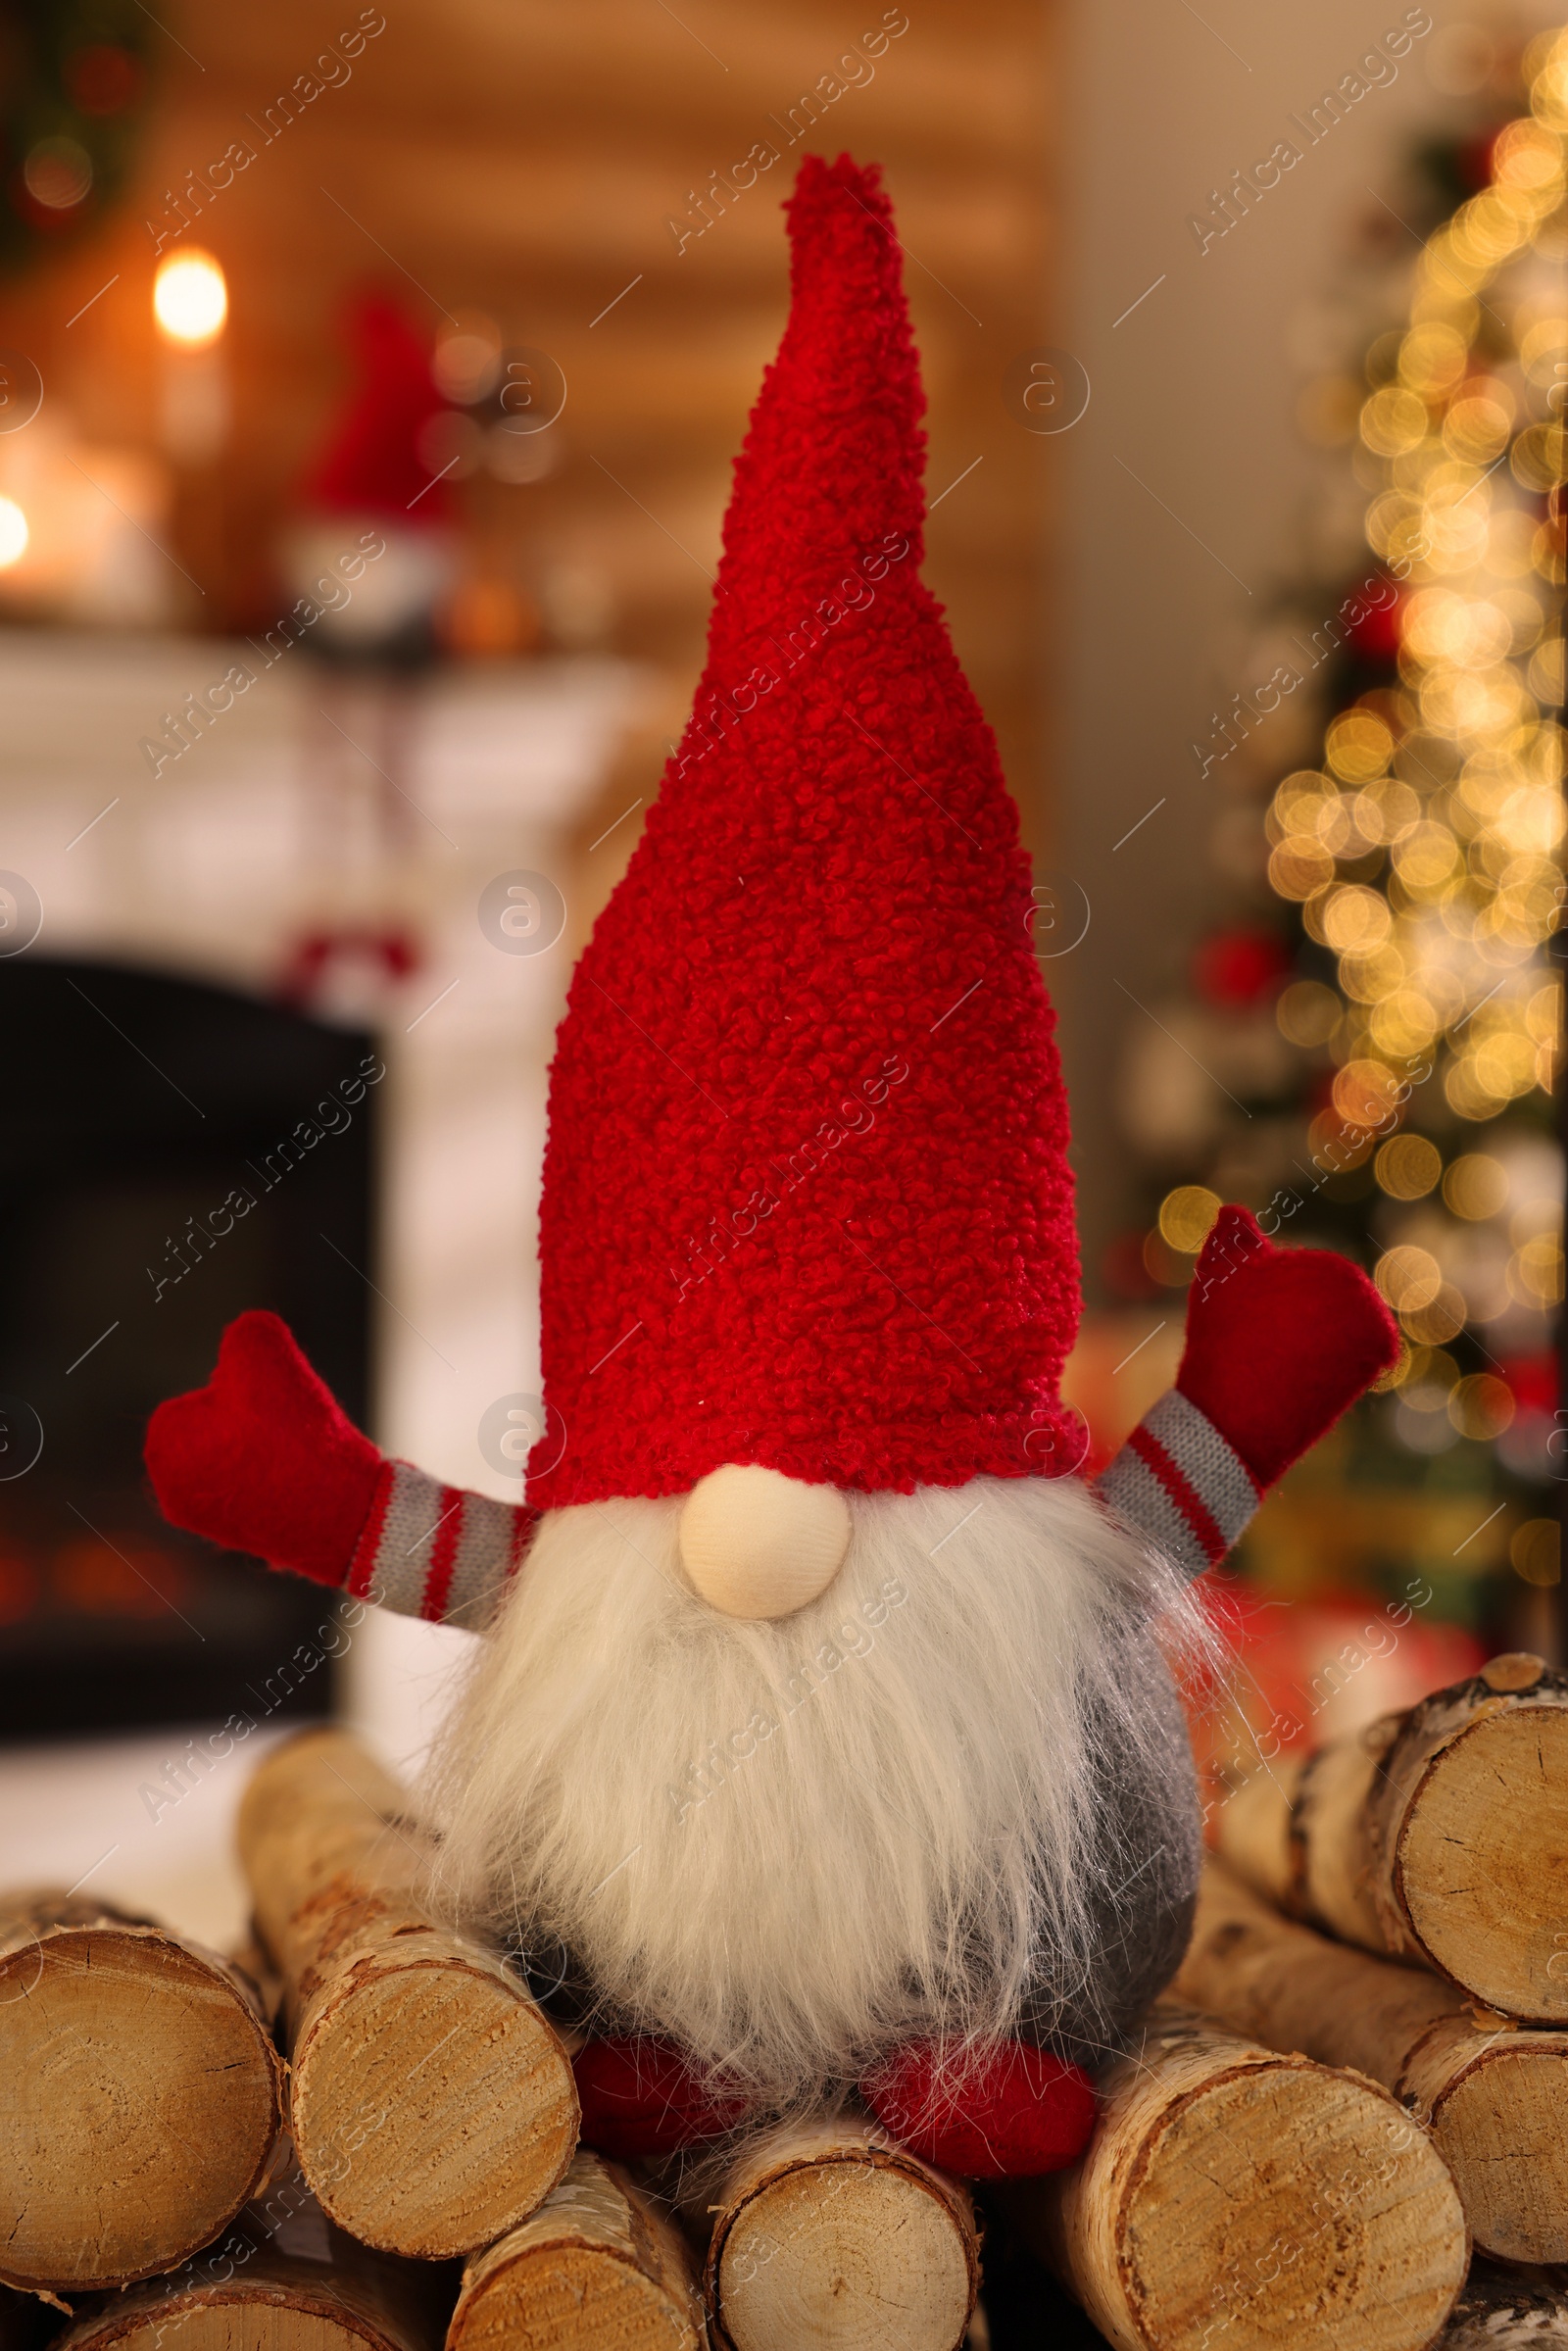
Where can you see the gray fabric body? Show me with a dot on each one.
(1145, 1877)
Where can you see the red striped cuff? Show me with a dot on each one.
(438, 1552)
(1181, 1483)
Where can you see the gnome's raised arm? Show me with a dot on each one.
(263, 1459)
(1279, 1344)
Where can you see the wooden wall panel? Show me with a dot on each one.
(523, 159)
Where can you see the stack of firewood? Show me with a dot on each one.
(1370, 2075)
(1311, 2145)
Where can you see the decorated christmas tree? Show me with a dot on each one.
(1376, 1008)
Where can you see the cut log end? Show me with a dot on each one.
(1500, 2130)
(143, 2101)
(826, 2242)
(595, 2269)
(433, 2104)
(381, 2075)
(1493, 2095)
(1273, 2215)
(296, 2315)
(1481, 1861)
(1236, 2197)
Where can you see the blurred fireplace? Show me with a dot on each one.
(171, 1153)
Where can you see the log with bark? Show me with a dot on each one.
(829, 2235)
(142, 2094)
(280, 2278)
(1439, 1836)
(432, 2103)
(1508, 2309)
(1493, 2095)
(597, 2268)
(1232, 2199)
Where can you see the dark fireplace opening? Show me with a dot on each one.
(171, 1153)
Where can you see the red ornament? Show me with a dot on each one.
(1235, 968)
(1375, 636)
(1533, 1381)
(103, 79)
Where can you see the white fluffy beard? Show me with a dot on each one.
(789, 1846)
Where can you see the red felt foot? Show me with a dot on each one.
(263, 1459)
(641, 2097)
(1279, 1342)
(1005, 2113)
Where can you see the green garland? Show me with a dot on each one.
(73, 74)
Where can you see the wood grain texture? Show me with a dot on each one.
(1439, 1836)
(282, 2278)
(1493, 2096)
(140, 2094)
(598, 2268)
(829, 2237)
(1235, 2196)
(1469, 1837)
(432, 2103)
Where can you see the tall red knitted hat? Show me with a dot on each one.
(806, 1197)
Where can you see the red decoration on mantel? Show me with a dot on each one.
(370, 465)
(396, 953)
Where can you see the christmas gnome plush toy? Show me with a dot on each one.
(819, 1741)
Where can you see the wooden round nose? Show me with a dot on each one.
(757, 1543)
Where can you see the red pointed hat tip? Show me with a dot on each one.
(807, 1202)
(818, 183)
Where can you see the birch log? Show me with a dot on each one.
(597, 2268)
(1495, 2096)
(1232, 2199)
(280, 2280)
(431, 2101)
(1439, 1836)
(141, 2094)
(1508, 2309)
(827, 2237)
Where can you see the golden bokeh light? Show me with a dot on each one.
(1186, 1218)
(1308, 1012)
(1408, 1166)
(1481, 1406)
(1438, 1319)
(13, 533)
(1425, 852)
(1409, 1278)
(190, 299)
(1476, 1187)
(1536, 1550)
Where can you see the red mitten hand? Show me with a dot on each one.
(641, 2097)
(1279, 1342)
(263, 1459)
(1005, 2113)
